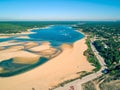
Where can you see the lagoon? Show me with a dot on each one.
(56, 35)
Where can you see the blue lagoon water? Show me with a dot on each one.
(56, 35)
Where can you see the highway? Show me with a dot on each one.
(77, 84)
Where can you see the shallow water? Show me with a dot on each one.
(10, 68)
(56, 35)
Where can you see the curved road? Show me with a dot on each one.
(77, 84)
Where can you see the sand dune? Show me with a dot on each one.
(26, 60)
(23, 37)
(63, 67)
(7, 55)
(11, 49)
(44, 46)
(7, 43)
(30, 45)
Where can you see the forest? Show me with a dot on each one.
(22, 26)
(105, 36)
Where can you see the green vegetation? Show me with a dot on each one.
(91, 57)
(104, 82)
(111, 82)
(17, 27)
(105, 36)
(84, 73)
(109, 49)
(10, 28)
(89, 86)
(22, 26)
(63, 83)
(81, 74)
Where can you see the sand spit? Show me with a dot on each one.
(2, 37)
(21, 34)
(63, 67)
(26, 60)
(8, 43)
(44, 46)
(11, 49)
(30, 44)
(7, 54)
(1, 48)
(22, 37)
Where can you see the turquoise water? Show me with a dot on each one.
(56, 35)
(6, 39)
(11, 68)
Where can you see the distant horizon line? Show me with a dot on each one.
(58, 20)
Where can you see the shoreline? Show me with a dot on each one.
(2, 35)
(62, 67)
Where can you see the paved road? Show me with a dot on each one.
(77, 84)
(96, 53)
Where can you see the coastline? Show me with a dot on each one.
(2, 35)
(63, 67)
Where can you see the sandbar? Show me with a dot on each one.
(63, 67)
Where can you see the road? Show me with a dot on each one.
(96, 53)
(77, 84)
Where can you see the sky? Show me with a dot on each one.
(63, 10)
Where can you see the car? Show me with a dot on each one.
(105, 71)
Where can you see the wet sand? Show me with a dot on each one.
(8, 43)
(23, 37)
(29, 51)
(61, 68)
(44, 46)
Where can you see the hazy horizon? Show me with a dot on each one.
(59, 10)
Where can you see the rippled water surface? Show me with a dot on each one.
(57, 34)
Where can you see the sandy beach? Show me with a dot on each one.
(28, 31)
(61, 68)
